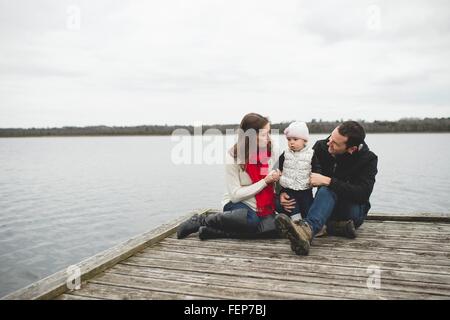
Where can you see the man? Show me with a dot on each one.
(347, 175)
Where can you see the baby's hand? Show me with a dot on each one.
(273, 176)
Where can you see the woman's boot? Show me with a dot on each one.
(205, 233)
(229, 221)
(189, 226)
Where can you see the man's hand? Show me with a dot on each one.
(318, 180)
(286, 203)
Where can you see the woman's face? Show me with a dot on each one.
(264, 136)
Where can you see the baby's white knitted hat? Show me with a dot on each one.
(297, 129)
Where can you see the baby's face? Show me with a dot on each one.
(296, 144)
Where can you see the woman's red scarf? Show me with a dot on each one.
(257, 169)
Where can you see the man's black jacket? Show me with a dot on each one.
(352, 175)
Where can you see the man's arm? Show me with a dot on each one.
(358, 191)
(315, 164)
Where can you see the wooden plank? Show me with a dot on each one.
(320, 257)
(411, 250)
(412, 224)
(431, 228)
(421, 235)
(55, 284)
(66, 296)
(365, 243)
(383, 231)
(186, 288)
(273, 277)
(361, 236)
(262, 262)
(287, 271)
(407, 217)
(394, 243)
(111, 292)
(272, 280)
(417, 217)
(319, 254)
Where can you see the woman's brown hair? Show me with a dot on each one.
(241, 150)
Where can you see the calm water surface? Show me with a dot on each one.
(63, 199)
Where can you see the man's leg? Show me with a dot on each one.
(321, 209)
(350, 211)
(301, 234)
(346, 218)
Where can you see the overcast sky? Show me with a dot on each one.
(210, 61)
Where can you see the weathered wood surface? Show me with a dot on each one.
(423, 217)
(413, 257)
(56, 284)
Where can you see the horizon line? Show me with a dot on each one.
(197, 123)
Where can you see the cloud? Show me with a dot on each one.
(213, 61)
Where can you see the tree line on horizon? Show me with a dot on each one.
(315, 126)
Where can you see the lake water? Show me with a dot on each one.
(63, 199)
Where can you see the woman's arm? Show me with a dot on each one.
(237, 192)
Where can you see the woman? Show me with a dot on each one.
(249, 203)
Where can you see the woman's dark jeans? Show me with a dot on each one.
(241, 219)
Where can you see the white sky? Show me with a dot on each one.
(210, 61)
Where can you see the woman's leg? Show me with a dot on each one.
(252, 218)
(267, 228)
(256, 228)
(236, 218)
(233, 220)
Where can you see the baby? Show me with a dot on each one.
(296, 164)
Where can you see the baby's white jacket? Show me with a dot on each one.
(297, 169)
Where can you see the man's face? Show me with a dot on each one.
(337, 143)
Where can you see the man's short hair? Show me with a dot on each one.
(353, 131)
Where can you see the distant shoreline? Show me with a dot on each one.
(167, 135)
(427, 125)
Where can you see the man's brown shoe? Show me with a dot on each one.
(342, 229)
(298, 233)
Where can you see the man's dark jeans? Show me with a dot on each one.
(326, 206)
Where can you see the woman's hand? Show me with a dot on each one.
(273, 176)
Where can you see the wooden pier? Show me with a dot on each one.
(410, 253)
